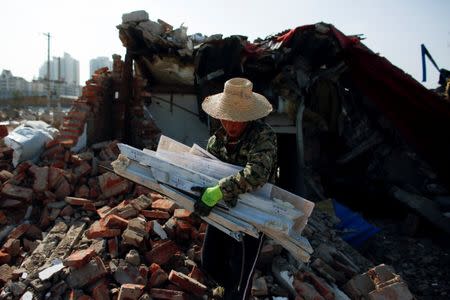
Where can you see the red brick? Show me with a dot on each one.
(101, 292)
(67, 211)
(17, 192)
(40, 178)
(112, 185)
(130, 291)
(197, 274)
(45, 218)
(156, 196)
(54, 176)
(187, 283)
(184, 229)
(141, 190)
(19, 231)
(167, 294)
(182, 213)
(5, 258)
(12, 247)
(306, 290)
(82, 191)
(51, 152)
(320, 285)
(162, 253)
(77, 201)
(3, 131)
(155, 214)
(157, 278)
(99, 230)
(79, 258)
(113, 247)
(82, 170)
(164, 205)
(3, 219)
(115, 222)
(63, 189)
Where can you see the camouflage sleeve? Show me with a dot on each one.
(256, 172)
(212, 146)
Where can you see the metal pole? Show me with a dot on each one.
(48, 70)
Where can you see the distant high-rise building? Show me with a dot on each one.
(99, 62)
(65, 71)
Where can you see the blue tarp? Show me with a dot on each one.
(355, 230)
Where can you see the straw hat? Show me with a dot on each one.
(237, 103)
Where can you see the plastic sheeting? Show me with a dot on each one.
(28, 140)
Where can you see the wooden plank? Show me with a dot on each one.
(276, 224)
(143, 176)
(168, 144)
(219, 169)
(199, 151)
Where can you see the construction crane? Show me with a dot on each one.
(444, 74)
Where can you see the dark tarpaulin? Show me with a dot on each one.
(420, 115)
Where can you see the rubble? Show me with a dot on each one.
(115, 239)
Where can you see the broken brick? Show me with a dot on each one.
(40, 178)
(17, 192)
(12, 247)
(141, 202)
(5, 258)
(83, 169)
(67, 211)
(113, 247)
(101, 292)
(77, 201)
(158, 277)
(79, 258)
(130, 291)
(162, 253)
(19, 231)
(112, 185)
(187, 283)
(82, 191)
(167, 294)
(87, 274)
(182, 213)
(155, 214)
(54, 177)
(197, 274)
(164, 205)
(3, 219)
(115, 222)
(63, 189)
(99, 230)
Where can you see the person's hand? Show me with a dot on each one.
(208, 199)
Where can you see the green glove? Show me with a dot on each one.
(212, 195)
(208, 199)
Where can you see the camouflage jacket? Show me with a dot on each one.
(256, 151)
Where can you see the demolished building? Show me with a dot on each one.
(341, 122)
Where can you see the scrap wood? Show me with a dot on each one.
(131, 165)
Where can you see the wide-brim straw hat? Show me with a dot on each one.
(237, 102)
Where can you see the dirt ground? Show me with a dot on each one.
(423, 260)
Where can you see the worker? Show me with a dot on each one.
(244, 140)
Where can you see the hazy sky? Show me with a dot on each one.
(87, 29)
